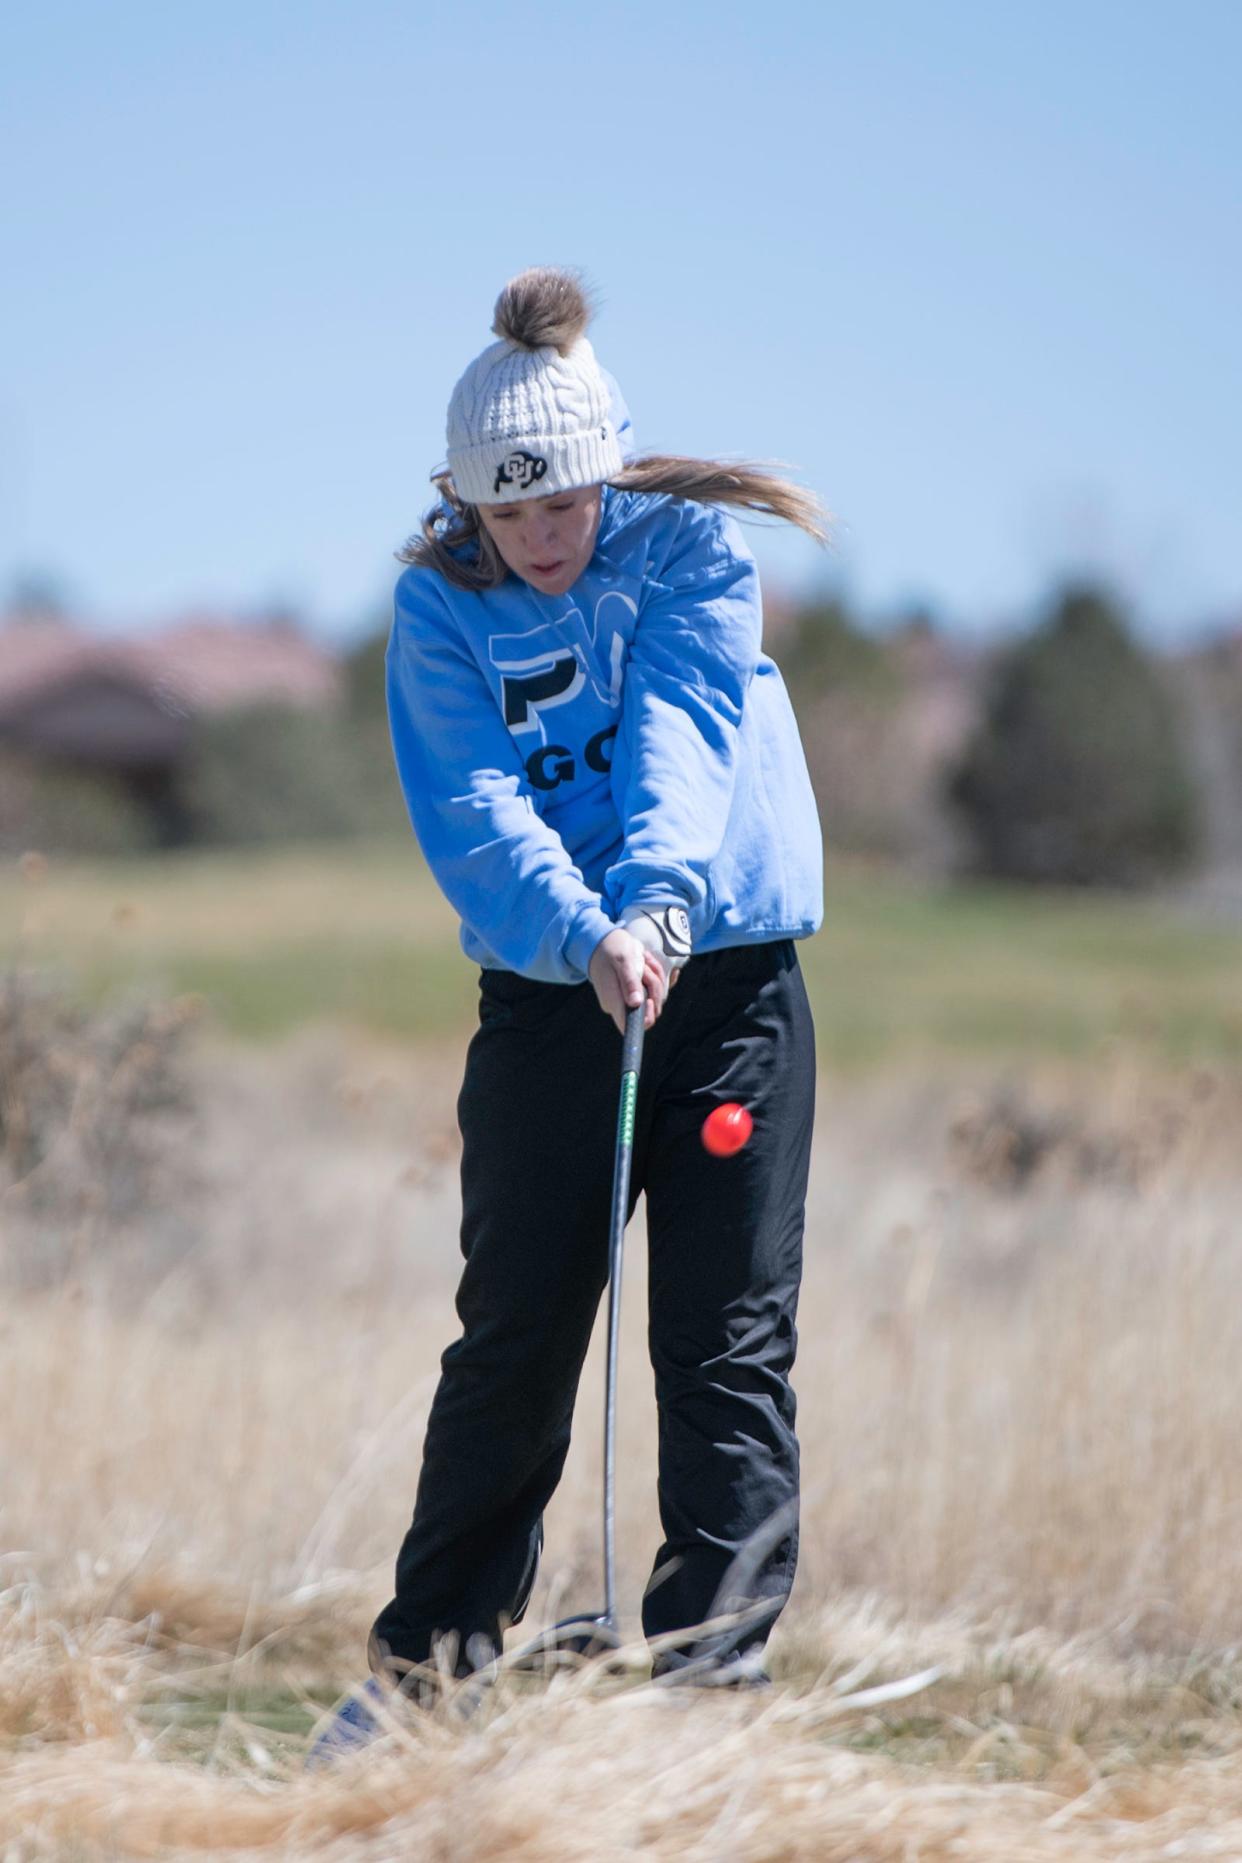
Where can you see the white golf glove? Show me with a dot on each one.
(665, 930)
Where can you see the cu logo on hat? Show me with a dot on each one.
(520, 469)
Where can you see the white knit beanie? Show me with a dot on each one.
(533, 414)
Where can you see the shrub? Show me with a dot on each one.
(1076, 773)
(83, 1101)
(269, 773)
(66, 811)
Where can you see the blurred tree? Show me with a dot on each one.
(847, 687)
(1208, 680)
(826, 650)
(364, 675)
(1076, 773)
(272, 773)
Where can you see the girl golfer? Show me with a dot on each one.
(604, 774)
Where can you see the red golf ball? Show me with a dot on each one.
(726, 1129)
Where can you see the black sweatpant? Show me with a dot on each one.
(538, 1113)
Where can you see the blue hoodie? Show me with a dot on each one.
(566, 757)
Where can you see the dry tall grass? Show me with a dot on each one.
(1020, 1374)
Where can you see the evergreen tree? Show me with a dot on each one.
(1076, 773)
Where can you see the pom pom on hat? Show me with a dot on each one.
(532, 415)
(542, 309)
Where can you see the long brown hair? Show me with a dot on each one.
(452, 525)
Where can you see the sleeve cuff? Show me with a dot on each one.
(590, 926)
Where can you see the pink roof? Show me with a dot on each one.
(195, 665)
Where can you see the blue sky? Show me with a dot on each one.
(975, 270)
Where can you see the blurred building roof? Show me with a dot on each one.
(196, 665)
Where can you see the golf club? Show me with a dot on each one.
(587, 1633)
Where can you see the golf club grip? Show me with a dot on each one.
(632, 1045)
(631, 1062)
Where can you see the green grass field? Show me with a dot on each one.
(273, 941)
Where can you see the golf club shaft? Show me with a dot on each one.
(631, 1061)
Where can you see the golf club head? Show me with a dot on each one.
(567, 1644)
